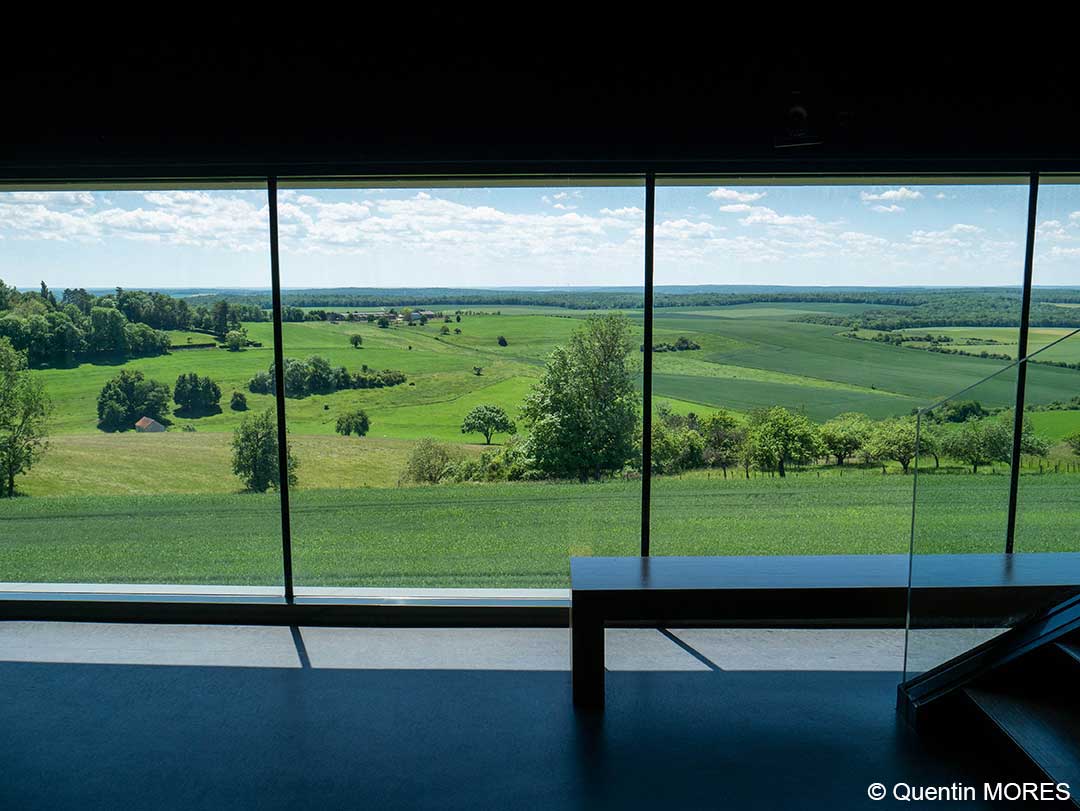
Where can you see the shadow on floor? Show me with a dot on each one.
(214, 737)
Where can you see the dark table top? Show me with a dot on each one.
(770, 572)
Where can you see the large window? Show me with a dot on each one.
(797, 329)
(128, 341)
(1048, 512)
(463, 372)
(456, 359)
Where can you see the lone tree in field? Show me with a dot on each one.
(583, 412)
(238, 401)
(196, 395)
(502, 340)
(130, 396)
(356, 341)
(478, 370)
(487, 420)
(845, 435)
(24, 417)
(779, 437)
(353, 422)
(255, 453)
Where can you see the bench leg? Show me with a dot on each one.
(587, 658)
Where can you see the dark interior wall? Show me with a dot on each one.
(428, 91)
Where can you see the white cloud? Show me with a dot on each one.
(902, 193)
(893, 209)
(736, 195)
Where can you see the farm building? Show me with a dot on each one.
(149, 426)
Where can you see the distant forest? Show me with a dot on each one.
(901, 308)
(65, 327)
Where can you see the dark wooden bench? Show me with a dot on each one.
(786, 592)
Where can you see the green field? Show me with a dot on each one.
(166, 508)
(1007, 341)
(512, 535)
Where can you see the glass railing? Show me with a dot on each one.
(975, 571)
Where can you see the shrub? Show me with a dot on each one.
(356, 341)
(353, 422)
(428, 463)
(502, 340)
(235, 340)
(261, 383)
(238, 401)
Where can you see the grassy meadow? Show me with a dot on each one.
(166, 507)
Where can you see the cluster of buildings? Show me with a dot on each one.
(393, 317)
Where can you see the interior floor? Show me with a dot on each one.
(107, 716)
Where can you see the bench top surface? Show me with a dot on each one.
(769, 572)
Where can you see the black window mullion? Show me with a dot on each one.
(279, 388)
(646, 371)
(1021, 367)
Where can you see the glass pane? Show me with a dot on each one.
(960, 518)
(126, 307)
(1048, 507)
(798, 328)
(420, 322)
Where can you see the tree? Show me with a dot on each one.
(896, 440)
(356, 341)
(255, 453)
(353, 422)
(487, 420)
(220, 319)
(444, 330)
(979, 442)
(844, 435)
(128, 397)
(24, 417)
(1073, 441)
(478, 370)
(502, 340)
(235, 340)
(384, 322)
(196, 395)
(676, 448)
(428, 462)
(583, 412)
(724, 437)
(780, 437)
(238, 401)
(107, 330)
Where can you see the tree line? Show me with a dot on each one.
(315, 375)
(78, 325)
(583, 422)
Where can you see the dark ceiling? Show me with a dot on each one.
(376, 96)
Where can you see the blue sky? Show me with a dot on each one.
(903, 234)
